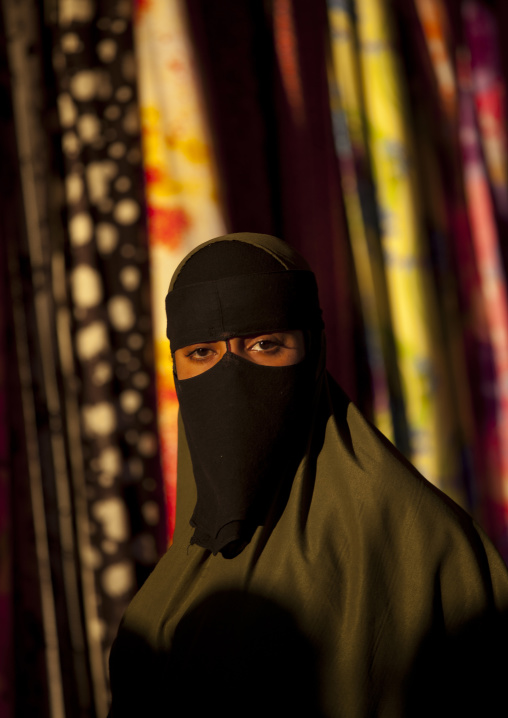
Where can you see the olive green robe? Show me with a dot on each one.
(400, 594)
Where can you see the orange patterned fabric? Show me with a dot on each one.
(181, 184)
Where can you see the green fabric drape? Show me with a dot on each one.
(400, 593)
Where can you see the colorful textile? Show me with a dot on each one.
(477, 155)
(491, 319)
(431, 78)
(86, 491)
(489, 90)
(432, 16)
(180, 181)
(412, 301)
(312, 215)
(348, 120)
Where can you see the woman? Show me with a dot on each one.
(301, 532)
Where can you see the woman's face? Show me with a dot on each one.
(275, 349)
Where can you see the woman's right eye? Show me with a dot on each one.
(197, 358)
(201, 353)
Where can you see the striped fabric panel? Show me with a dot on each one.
(491, 318)
(348, 118)
(412, 299)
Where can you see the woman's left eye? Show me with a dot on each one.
(200, 353)
(264, 345)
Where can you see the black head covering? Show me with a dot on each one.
(245, 424)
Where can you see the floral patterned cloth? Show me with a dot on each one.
(180, 179)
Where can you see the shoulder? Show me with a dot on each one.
(384, 501)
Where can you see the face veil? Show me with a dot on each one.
(245, 424)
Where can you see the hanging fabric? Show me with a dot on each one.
(492, 316)
(181, 184)
(476, 221)
(481, 33)
(312, 214)
(433, 89)
(6, 584)
(88, 484)
(412, 300)
(348, 119)
(433, 19)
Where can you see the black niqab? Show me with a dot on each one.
(245, 423)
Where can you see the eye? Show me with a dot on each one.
(197, 358)
(265, 345)
(200, 353)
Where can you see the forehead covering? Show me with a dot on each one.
(237, 285)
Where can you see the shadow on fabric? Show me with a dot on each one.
(463, 674)
(239, 654)
(232, 654)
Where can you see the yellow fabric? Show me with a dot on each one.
(181, 182)
(346, 106)
(412, 301)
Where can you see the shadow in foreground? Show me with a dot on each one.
(463, 674)
(232, 654)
